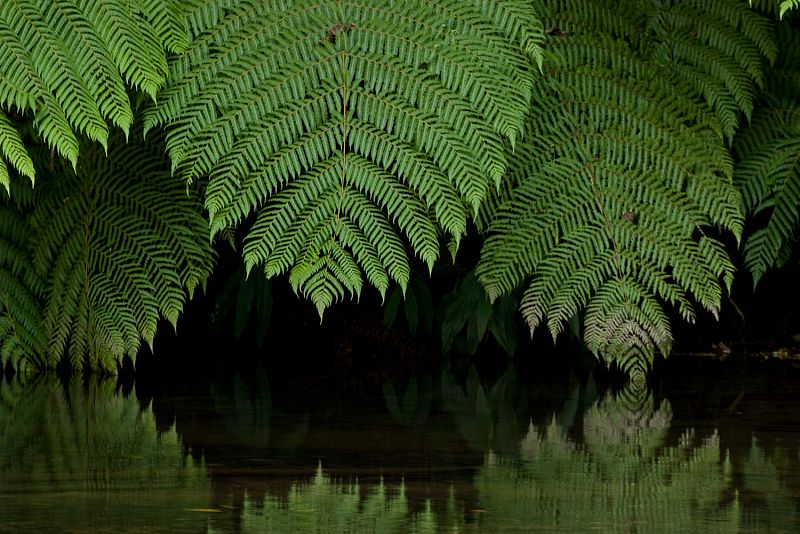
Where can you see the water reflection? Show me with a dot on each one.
(77, 457)
(617, 476)
(433, 453)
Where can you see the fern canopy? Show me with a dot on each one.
(626, 179)
(350, 129)
(67, 63)
(112, 247)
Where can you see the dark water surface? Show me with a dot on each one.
(701, 451)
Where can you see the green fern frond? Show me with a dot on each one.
(718, 46)
(768, 167)
(611, 201)
(13, 150)
(787, 5)
(66, 62)
(348, 127)
(22, 336)
(117, 243)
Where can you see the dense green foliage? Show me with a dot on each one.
(68, 63)
(607, 151)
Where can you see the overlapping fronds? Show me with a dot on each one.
(768, 167)
(22, 336)
(719, 47)
(117, 242)
(66, 63)
(625, 175)
(348, 127)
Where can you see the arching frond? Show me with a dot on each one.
(13, 150)
(768, 166)
(117, 242)
(624, 173)
(787, 5)
(349, 128)
(22, 337)
(66, 63)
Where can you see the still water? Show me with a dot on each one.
(432, 453)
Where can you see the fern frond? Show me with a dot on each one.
(117, 243)
(768, 167)
(13, 150)
(66, 63)
(22, 337)
(788, 5)
(611, 201)
(348, 127)
(720, 47)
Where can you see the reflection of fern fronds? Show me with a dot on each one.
(626, 173)
(561, 486)
(98, 451)
(68, 62)
(626, 425)
(774, 506)
(348, 127)
(768, 170)
(118, 242)
(324, 506)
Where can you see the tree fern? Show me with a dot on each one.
(347, 128)
(117, 242)
(768, 167)
(67, 62)
(625, 175)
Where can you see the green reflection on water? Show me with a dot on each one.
(323, 505)
(81, 457)
(618, 478)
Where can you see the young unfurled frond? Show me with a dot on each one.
(118, 243)
(66, 63)
(348, 128)
(623, 175)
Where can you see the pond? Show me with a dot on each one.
(441, 451)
